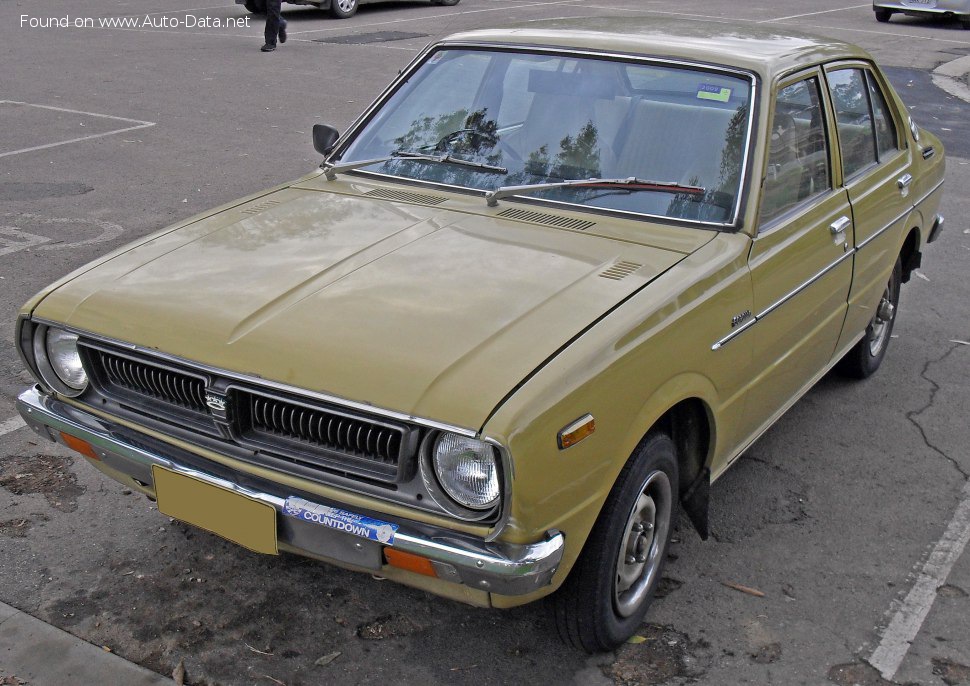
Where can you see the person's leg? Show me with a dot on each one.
(273, 20)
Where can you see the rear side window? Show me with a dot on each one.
(798, 158)
(850, 98)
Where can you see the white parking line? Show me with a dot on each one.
(735, 20)
(812, 14)
(906, 623)
(11, 425)
(138, 125)
(171, 12)
(885, 34)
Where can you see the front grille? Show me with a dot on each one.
(284, 431)
(157, 383)
(321, 435)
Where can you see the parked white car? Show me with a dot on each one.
(949, 9)
(341, 9)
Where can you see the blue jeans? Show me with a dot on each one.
(274, 21)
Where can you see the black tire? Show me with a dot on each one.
(603, 600)
(343, 9)
(865, 357)
(882, 14)
(255, 6)
(446, 3)
(965, 23)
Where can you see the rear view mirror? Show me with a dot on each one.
(324, 138)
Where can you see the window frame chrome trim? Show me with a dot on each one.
(735, 222)
(774, 223)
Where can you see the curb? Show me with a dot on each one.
(947, 77)
(36, 653)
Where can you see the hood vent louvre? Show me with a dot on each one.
(547, 219)
(406, 196)
(620, 270)
(261, 207)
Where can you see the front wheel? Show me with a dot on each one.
(342, 9)
(882, 15)
(866, 356)
(446, 3)
(608, 591)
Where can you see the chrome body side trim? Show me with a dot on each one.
(502, 568)
(774, 306)
(781, 301)
(801, 287)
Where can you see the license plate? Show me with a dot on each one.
(923, 3)
(233, 516)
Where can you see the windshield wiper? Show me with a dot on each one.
(331, 170)
(631, 183)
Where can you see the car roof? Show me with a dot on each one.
(767, 51)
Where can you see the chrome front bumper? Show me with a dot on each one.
(456, 557)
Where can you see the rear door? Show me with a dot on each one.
(876, 167)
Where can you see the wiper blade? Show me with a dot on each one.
(331, 170)
(631, 183)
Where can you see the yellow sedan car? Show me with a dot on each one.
(538, 297)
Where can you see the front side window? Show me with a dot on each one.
(541, 118)
(798, 156)
(850, 98)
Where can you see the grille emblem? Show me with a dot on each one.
(215, 402)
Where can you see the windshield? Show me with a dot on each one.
(546, 118)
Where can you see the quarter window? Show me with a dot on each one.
(885, 129)
(798, 158)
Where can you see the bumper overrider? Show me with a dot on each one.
(354, 539)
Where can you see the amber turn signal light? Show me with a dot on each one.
(409, 561)
(81, 446)
(577, 431)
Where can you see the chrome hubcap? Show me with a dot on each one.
(885, 312)
(346, 5)
(641, 551)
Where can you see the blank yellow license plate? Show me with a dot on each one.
(233, 516)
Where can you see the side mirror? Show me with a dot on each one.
(324, 138)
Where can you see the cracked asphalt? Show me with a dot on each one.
(831, 515)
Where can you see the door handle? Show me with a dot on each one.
(840, 225)
(904, 181)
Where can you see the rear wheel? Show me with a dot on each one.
(255, 6)
(965, 22)
(342, 9)
(866, 356)
(882, 15)
(608, 591)
(446, 3)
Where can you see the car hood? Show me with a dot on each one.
(434, 312)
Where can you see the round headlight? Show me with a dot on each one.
(466, 470)
(60, 348)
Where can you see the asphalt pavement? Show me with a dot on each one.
(850, 515)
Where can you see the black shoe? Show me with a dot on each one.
(283, 33)
(268, 48)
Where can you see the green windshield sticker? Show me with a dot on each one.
(708, 91)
